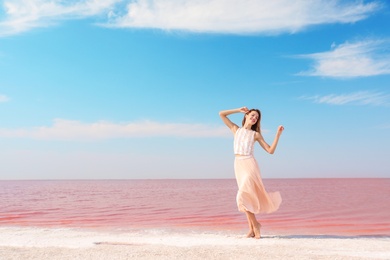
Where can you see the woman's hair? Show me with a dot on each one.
(255, 127)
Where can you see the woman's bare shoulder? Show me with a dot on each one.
(234, 128)
(258, 136)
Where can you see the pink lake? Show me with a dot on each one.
(335, 207)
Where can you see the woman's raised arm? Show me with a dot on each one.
(270, 148)
(224, 116)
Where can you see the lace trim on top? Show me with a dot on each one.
(244, 141)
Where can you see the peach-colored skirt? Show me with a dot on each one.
(251, 195)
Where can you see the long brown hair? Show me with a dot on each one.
(255, 127)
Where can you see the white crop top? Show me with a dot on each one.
(244, 141)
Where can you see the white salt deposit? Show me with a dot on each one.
(40, 243)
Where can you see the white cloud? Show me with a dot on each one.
(4, 98)
(24, 15)
(241, 16)
(357, 98)
(75, 130)
(385, 126)
(349, 60)
(205, 16)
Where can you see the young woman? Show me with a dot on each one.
(252, 198)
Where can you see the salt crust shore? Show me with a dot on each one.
(31, 243)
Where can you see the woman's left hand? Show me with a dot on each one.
(280, 129)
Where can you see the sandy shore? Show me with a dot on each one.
(68, 244)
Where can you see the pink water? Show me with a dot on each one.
(341, 207)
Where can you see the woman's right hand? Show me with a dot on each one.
(243, 110)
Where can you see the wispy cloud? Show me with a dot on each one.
(24, 15)
(349, 60)
(4, 98)
(75, 130)
(203, 16)
(385, 126)
(356, 98)
(240, 16)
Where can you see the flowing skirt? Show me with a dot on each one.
(251, 195)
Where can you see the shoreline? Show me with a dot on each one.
(52, 243)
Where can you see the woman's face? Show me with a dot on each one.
(252, 117)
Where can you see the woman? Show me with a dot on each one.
(252, 198)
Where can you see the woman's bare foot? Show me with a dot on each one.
(257, 231)
(251, 233)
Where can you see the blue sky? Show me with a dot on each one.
(132, 89)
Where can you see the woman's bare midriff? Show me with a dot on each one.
(241, 155)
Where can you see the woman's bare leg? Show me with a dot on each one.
(255, 225)
(251, 232)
